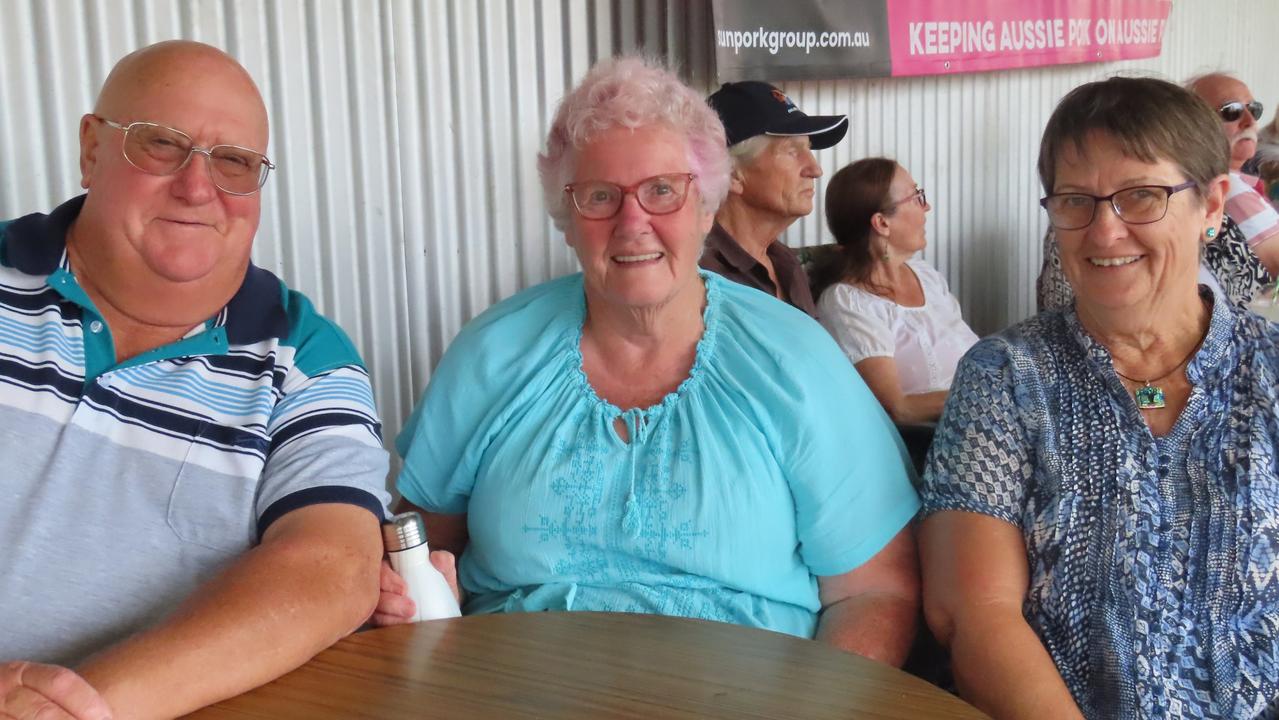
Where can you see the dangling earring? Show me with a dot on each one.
(1211, 233)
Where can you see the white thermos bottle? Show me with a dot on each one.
(405, 539)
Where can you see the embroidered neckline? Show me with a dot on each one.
(705, 350)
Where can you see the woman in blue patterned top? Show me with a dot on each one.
(645, 437)
(1102, 502)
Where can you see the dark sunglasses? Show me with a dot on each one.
(1233, 110)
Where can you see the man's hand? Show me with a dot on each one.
(310, 582)
(48, 692)
(394, 606)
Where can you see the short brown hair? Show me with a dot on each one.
(1150, 119)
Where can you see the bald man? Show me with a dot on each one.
(194, 474)
(1240, 112)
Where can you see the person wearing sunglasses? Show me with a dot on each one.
(193, 471)
(1100, 511)
(890, 311)
(1240, 113)
(647, 436)
(774, 183)
(1246, 203)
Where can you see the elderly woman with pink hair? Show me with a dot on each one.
(647, 437)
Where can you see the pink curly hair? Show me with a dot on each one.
(632, 92)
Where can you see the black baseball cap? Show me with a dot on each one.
(751, 108)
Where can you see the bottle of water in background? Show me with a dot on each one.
(405, 539)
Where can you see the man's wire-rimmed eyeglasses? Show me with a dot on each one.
(160, 150)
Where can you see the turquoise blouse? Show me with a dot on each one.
(770, 464)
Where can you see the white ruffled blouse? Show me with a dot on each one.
(927, 341)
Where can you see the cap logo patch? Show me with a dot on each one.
(780, 97)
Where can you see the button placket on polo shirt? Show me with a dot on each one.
(99, 346)
(95, 335)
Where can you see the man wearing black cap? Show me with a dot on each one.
(773, 183)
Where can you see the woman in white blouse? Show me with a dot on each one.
(891, 312)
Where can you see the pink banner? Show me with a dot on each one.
(935, 37)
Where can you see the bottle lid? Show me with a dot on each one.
(404, 531)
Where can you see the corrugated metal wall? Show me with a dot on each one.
(406, 133)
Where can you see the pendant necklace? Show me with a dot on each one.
(1150, 396)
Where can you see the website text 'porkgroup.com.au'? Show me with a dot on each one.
(776, 40)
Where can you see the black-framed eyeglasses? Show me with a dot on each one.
(657, 195)
(1233, 110)
(919, 196)
(160, 150)
(1137, 205)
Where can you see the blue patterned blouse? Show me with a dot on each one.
(770, 465)
(1154, 580)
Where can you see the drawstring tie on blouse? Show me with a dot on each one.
(637, 432)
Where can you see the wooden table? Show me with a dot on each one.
(588, 665)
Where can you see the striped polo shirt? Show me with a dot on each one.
(124, 486)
